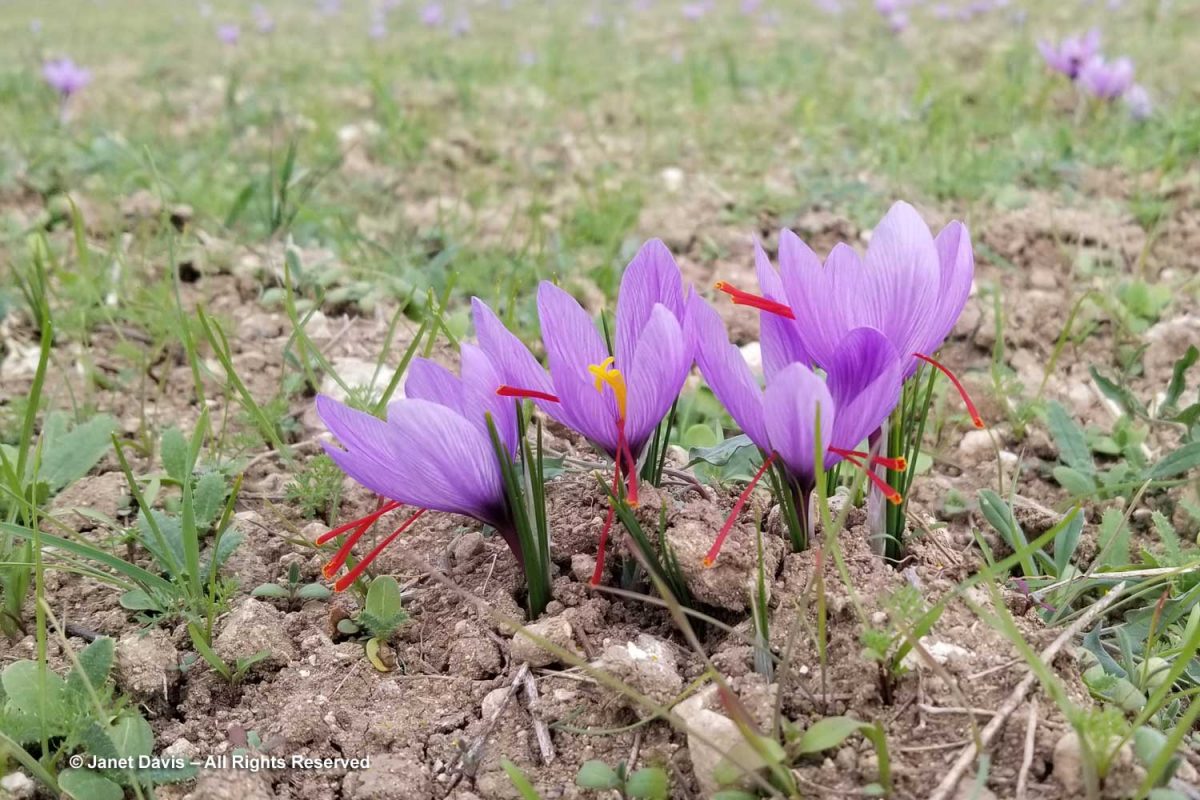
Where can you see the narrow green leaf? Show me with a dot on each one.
(828, 733)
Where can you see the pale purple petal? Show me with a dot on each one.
(864, 378)
(898, 285)
(480, 380)
(429, 381)
(512, 358)
(425, 455)
(820, 312)
(957, 264)
(793, 399)
(655, 376)
(726, 372)
(779, 336)
(651, 278)
(572, 345)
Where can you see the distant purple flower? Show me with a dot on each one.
(942, 11)
(898, 22)
(263, 21)
(65, 76)
(1137, 99)
(594, 19)
(377, 29)
(229, 33)
(1071, 54)
(750, 7)
(462, 25)
(864, 375)
(329, 8)
(888, 7)
(433, 453)
(696, 11)
(433, 15)
(832, 7)
(1106, 80)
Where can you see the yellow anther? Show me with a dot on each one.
(606, 375)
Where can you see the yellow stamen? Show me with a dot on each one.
(606, 375)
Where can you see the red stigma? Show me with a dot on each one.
(350, 577)
(975, 418)
(598, 573)
(364, 522)
(891, 494)
(711, 557)
(897, 464)
(532, 394)
(741, 298)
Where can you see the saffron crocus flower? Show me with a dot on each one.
(1069, 56)
(1106, 80)
(910, 287)
(617, 399)
(864, 375)
(65, 76)
(434, 453)
(229, 33)
(433, 15)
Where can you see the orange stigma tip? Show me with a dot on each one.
(901, 464)
(708, 562)
(974, 412)
(896, 498)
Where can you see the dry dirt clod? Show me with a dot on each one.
(147, 665)
(1124, 773)
(713, 739)
(647, 664)
(17, 786)
(475, 657)
(231, 784)
(726, 583)
(392, 776)
(252, 627)
(555, 630)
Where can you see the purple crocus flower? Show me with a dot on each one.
(910, 287)
(229, 33)
(433, 15)
(1106, 80)
(1069, 56)
(864, 375)
(462, 25)
(616, 400)
(65, 76)
(434, 453)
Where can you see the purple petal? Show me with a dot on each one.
(480, 380)
(516, 364)
(651, 278)
(655, 376)
(572, 345)
(864, 378)
(793, 400)
(901, 275)
(810, 291)
(429, 381)
(425, 455)
(957, 264)
(779, 337)
(726, 372)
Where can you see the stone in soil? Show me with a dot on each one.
(253, 627)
